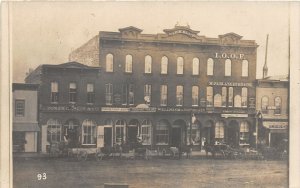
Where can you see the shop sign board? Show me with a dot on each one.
(237, 84)
(276, 125)
(234, 115)
(69, 108)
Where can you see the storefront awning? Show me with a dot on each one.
(276, 127)
(26, 127)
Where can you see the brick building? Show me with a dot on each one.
(165, 87)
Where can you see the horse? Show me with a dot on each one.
(184, 149)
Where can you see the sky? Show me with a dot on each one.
(46, 32)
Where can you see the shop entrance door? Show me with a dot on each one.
(107, 136)
(176, 137)
(233, 134)
(132, 134)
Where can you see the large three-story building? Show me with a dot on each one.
(168, 89)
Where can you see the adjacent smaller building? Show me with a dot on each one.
(272, 102)
(25, 117)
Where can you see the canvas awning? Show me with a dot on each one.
(26, 127)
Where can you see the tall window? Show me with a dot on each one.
(164, 65)
(219, 131)
(109, 63)
(162, 133)
(227, 67)
(195, 95)
(20, 108)
(120, 133)
(230, 96)
(277, 102)
(163, 95)
(88, 132)
(244, 133)
(179, 95)
(147, 93)
(224, 96)
(179, 65)
(108, 94)
(53, 130)
(217, 100)
(237, 101)
(90, 93)
(146, 132)
(128, 64)
(131, 94)
(72, 92)
(245, 68)
(264, 104)
(244, 96)
(210, 67)
(148, 64)
(195, 66)
(209, 96)
(54, 92)
(124, 94)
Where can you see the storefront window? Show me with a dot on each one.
(53, 130)
(164, 65)
(195, 66)
(120, 133)
(128, 64)
(244, 133)
(219, 131)
(148, 64)
(89, 132)
(109, 63)
(146, 132)
(162, 133)
(195, 136)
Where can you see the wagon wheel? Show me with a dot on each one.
(81, 155)
(99, 156)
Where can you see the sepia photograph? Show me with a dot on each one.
(138, 94)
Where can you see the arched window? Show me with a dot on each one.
(109, 63)
(120, 131)
(244, 133)
(53, 130)
(195, 95)
(179, 95)
(164, 65)
(209, 96)
(217, 100)
(210, 67)
(224, 96)
(179, 65)
(219, 131)
(195, 66)
(128, 65)
(148, 64)
(146, 132)
(237, 101)
(277, 102)
(245, 68)
(244, 96)
(88, 132)
(230, 96)
(264, 104)
(227, 67)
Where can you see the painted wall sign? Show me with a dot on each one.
(180, 31)
(276, 125)
(70, 108)
(234, 84)
(229, 56)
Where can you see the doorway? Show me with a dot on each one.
(132, 134)
(176, 137)
(233, 134)
(107, 136)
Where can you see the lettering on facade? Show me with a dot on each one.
(276, 125)
(71, 108)
(174, 109)
(234, 84)
(180, 31)
(234, 115)
(229, 56)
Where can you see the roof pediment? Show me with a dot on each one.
(230, 38)
(130, 32)
(183, 30)
(130, 28)
(72, 64)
